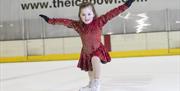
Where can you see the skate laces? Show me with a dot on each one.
(95, 85)
(89, 85)
(92, 86)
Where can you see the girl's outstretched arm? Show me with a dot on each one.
(103, 19)
(60, 21)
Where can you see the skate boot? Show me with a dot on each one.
(95, 85)
(86, 88)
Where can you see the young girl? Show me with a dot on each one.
(89, 27)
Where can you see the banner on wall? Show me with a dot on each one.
(69, 8)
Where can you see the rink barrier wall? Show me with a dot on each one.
(75, 56)
(124, 45)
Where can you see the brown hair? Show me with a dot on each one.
(84, 5)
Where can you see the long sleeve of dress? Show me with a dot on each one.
(62, 21)
(103, 19)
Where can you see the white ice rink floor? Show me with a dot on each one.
(160, 73)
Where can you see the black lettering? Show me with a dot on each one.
(108, 1)
(25, 6)
(99, 2)
(77, 2)
(60, 2)
(43, 5)
(34, 5)
(54, 3)
(141, 0)
(115, 1)
(85, 0)
(119, 1)
(124, 1)
(72, 2)
(67, 3)
(93, 1)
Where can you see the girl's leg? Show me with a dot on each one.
(94, 75)
(96, 64)
(91, 78)
(91, 75)
(87, 87)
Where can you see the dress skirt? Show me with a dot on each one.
(85, 59)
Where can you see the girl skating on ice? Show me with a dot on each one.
(89, 27)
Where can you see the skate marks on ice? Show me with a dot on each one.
(34, 74)
(126, 83)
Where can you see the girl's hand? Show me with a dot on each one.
(44, 17)
(129, 2)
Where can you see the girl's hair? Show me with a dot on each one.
(84, 5)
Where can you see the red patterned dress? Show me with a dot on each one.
(91, 36)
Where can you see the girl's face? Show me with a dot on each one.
(87, 15)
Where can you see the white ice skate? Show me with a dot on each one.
(95, 85)
(86, 88)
